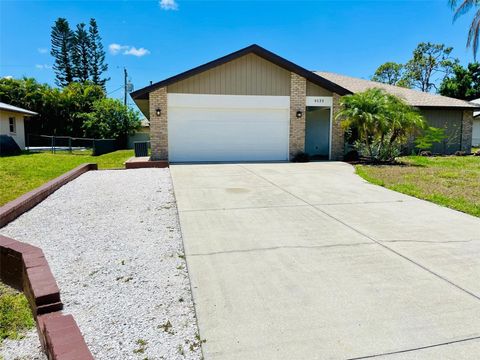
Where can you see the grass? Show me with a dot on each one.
(22, 173)
(15, 314)
(448, 181)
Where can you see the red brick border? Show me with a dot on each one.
(25, 268)
(10, 211)
(145, 162)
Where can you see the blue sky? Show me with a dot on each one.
(157, 39)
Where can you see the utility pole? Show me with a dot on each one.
(125, 86)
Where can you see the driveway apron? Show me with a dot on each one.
(309, 261)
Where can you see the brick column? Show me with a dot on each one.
(158, 124)
(338, 133)
(467, 131)
(298, 98)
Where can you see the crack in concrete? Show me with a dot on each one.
(416, 349)
(477, 297)
(289, 206)
(280, 247)
(429, 242)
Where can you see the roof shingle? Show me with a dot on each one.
(412, 97)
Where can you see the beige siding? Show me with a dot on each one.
(248, 75)
(315, 90)
(19, 134)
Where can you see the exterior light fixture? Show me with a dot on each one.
(299, 114)
(158, 111)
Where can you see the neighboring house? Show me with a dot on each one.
(12, 122)
(143, 134)
(255, 105)
(476, 125)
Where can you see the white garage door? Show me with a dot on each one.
(227, 127)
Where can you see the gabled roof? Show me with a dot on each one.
(8, 107)
(252, 49)
(412, 97)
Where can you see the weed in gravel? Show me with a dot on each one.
(167, 327)
(180, 350)
(93, 272)
(181, 299)
(142, 346)
(181, 256)
(180, 267)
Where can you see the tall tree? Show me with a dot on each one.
(473, 32)
(97, 55)
(429, 63)
(464, 83)
(388, 73)
(61, 39)
(81, 53)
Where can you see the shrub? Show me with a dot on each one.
(382, 121)
(110, 119)
(430, 135)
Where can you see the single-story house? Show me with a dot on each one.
(12, 122)
(254, 105)
(142, 134)
(476, 125)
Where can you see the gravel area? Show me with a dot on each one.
(113, 241)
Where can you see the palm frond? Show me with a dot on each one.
(464, 7)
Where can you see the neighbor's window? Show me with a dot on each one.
(12, 125)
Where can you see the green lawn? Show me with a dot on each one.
(22, 173)
(449, 181)
(15, 313)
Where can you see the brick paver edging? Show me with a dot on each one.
(24, 267)
(10, 211)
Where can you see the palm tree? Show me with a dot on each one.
(473, 33)
(383, 122)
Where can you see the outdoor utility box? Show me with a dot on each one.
(141, 148)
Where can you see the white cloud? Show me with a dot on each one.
(42, 50)
(136, 52)
(8, 77)
(168, 4)
(116, 49)
(43, 66)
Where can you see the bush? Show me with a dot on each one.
(429, 137)
(110, 119)
(383, 123)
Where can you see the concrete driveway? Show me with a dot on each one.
(308, 261)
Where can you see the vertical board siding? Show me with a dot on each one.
(315, 90)
(248, 75)
(451, 121)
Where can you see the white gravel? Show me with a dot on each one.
(113, 241)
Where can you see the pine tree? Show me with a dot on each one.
(97, 55)
(81, 54)
(61, 39)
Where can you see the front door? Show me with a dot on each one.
(317, 132)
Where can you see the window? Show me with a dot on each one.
(12, 125)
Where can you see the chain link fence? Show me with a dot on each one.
(68, 144)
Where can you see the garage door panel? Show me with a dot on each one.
(227, 133)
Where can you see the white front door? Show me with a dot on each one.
(227, 127)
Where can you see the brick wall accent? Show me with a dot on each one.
(25, 268)
(10, 211)
(158, 124)
(338, 138)
(298, 93)
(467, 131)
